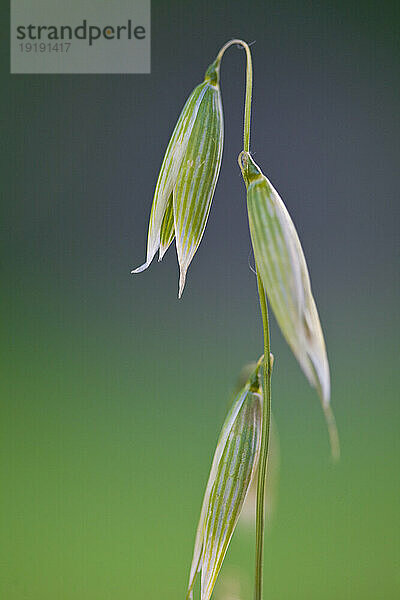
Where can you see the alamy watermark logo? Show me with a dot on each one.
(80, 36)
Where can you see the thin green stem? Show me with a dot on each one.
(249, 86)
(262, 471)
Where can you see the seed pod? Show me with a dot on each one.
(188, 176)
(235, 461)
(280, 260)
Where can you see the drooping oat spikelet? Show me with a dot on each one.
(234, 463)
(197, 178)
(283, 269)
(229, 491)
(169, 170)
(188, 176)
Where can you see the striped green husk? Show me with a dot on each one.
(188, 176)
(234, 463)
(226, 428)
(280, 260)
(197, 178)
(230, 488)
(169, 170)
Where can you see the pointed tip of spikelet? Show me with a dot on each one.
(161, 253)
(332, 432)
(142, 267)
(182, 280)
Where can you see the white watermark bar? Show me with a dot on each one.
(80, 36)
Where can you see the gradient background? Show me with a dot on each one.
(113, 392)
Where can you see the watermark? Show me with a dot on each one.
(80, 36)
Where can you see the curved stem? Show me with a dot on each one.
(266, 420)
(260, 516)
(249, 86)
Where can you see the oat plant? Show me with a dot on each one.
(180, 209)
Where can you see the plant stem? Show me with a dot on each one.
(266, 420)
(262, 471)
(249, 85)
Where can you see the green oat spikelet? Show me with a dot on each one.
(188, 176)
(280, 260)
(234, 464)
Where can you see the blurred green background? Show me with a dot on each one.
(113, 392)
